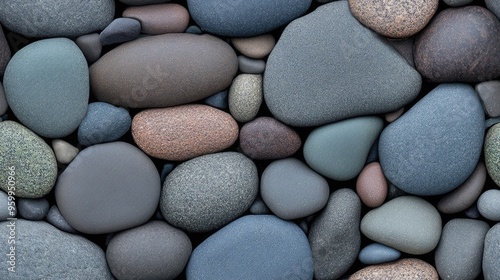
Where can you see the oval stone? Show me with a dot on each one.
(491, 254)
(163, 70)
(107, 188)
(5, 53)
(435, 146)
(245, 97)
(488, 205)
(371, 185)
(183, 132)
(492, 153)
(403, 269)
(47, 18)
(208, 192)
(377, 253)
(47, 86)
(489, 92)
(256, 47)
(160, 19)
(406, 223)
(27, 159)
(339, 150)
(253, 247)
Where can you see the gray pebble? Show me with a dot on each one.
(251, 66)
(33, 209)
(55, 218)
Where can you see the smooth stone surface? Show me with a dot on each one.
(377, 253)
(256, 47)
(339, 150)
(266, 138)
(493, 6)
(47, 86)
(456, 3)
(245, 97)
(5, 53)
(259, 207)
(390, 117)
(64, 151)
(44, 252)
(107, 188)
(55, 218)
(324, 67)
(194, 29)
(407, 223)
(155, 250)
(183, 132)
(459, 45)
(32, 160)
(47, 18)
(408, 269)
(371, 185)
(472, 212)
(464, 196)
(3, 102)
(492, 153)
(103, 123)
(488, 205)
(4, 207)
(334, 235)
(491, 254)
(253, 247)
(489, 92)
(143, 2)
(292, 190)
(459, 253)
(395, 19)
(164, 73)
(208, 192)
(404, 47)
(160, 18)
(218, 100)
(425, 151)
(90, 45)
(491, 122)
(245, 18)
(32, 209)
(120, 30)
(251, 66)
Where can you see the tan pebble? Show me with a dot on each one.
(64, 151)
(390, 117)
(255, 47)
(404, 269)
(160, 19)
(371, 185)
(183, 132)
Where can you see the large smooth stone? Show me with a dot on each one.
(253, 247)
(44, 252)
(339, 150)
(491, 254)
(459, 45)
(435, 146)
(208, 192)
(107, 188)
(458, 255)
(183, 132)
(163, 70)
(48, 18)
(245, 18)
(47, 86)
(406, 223)
(407, 269)
(327, 66)
(27, 159)
(334, 235)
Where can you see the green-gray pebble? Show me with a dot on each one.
(245, 97)
(492, 152)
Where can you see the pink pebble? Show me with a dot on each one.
(371, 185)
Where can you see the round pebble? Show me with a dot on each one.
(251, 66)
(259, 207)
(408, 269)
(64, 151)
(245, 97)
(120, 30)
(256, 47)
(160, 18)
(32, 209)
(492, 153)
(55, 218)
(371, 185)
(488, 205)
(377, 253)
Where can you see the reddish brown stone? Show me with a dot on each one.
(407, 269)
(160, 19)
(255, 47)
(371, 185)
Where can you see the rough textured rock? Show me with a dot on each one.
(492, 153)
(245, 97)
(408, 269)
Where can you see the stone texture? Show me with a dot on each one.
(218, 100)
(245, 97)
(491, 254)
(324, 67)
(456, 3)
(489, 92)
(334, 235)
(371, 185)
(5, 53)
(210, 191)
(4, 207)
(120, 30)
(32, 209)
(396, 18)
(55, 218)
(256, 47)
(390, 117)
(143, 2)
(492, 153)
(163, 70)
(404, 47)
(3, 102)
(64, 151)
(460, 45)
(488, 205)
(251, 66)
(377, 253)
(160, 18)
(90, 45)
(183, 132)
(408, 269)
(493, 6)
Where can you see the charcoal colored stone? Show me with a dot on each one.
(90, 45)
(33, 209)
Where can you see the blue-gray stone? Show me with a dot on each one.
(120, 30)
(45, 252)
(55, 218)
(33, 209)
(377, 253)
(251, 66)
(458, 255)
(242, 18)
(218, 100)
(472, 212)
(193, 29)
(5, 212)
(488, 205)
(103, 123)
(90, 45)
(253, 247)
(167, 168)
(326, 66)
(48, 18)
(259, 207)
(491, 254)
(47, 86)
(3, 102)
(435, 146)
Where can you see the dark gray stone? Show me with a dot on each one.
(55, 218)
(33, 209)
(259, 207)
(120, 30)
(218, 100)
(493, 6)
(90, 45)
(4, 207)
(251, 66)
(5, 53)
(3, 102)
(491, 254)
(489, 92)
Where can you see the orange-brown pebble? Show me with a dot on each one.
(183, 132)
(160, 18)
(255, 47)
(404, 269)
(390, 117)
(371, 185)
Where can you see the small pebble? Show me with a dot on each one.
(259, 207)
(55, 218)
(256, 47)
(3, 102)
(371, 185)
(377, 253)
(390, 117)
(64, 151)
(160, 18)
(90, 45)
(489, 92)
(407, 269)
(5, 53)
(120, 30)
(245, 97)
(218, 100)
(251, 66)
(32, 209)
(488, 205)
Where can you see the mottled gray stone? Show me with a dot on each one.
(245, 97)
(55, 218)
(64, 151)
(488, 205)
(32, 209)
(491, 254)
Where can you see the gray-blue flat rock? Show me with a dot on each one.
(33, 209)
(120, 30)
(491, 254)
(488, 205)
(55, 218)
(327, 66)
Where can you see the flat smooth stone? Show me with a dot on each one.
(160, 18)
(120, 30)
(90, 45)
(33, 209)
(371, 185)
(251, 66)
(55, 218)
(245, 97)
(489, 92)
(64, 151)
(408, 269)
(377, 253)
(488, 205)
(256, 47)
(491, 254)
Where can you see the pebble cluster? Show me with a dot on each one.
(265, 139)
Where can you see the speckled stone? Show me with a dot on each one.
(120, 30)
(33, 160)
(377, 253)
(4, 207)
(251, 66)
(492, 153)
(460, 45)
(183, 132)
(267, 138)
(55, 218)
(488, 205)
(396, 18)
(90, 45)
(371, 185)
(491, 254)
(408, 269)
(207, 192)
(493, 6)
(64, 151)
(245, 97)
(256, 47)
(489, 92)
(456, 3)
(155, 250)
(163, 70)
(5, 53)
(160, 18)
(3, 102)
(32, 209)
(464, 196)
